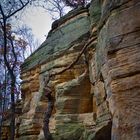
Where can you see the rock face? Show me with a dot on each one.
(118, 53)
(97, 98)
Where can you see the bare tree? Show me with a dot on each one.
(56, 8)
(27, 36)
(76, 3)
(7, 10)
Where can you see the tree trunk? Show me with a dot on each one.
(48, 113)
(1, 115)
(12, 123)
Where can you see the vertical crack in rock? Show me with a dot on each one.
(110, 32)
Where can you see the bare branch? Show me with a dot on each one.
(21, 2)
(12, 7)
(1, 10)
(13, 13)
(1, 24)
(55, 7)
(13, 51)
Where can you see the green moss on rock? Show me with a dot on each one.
(69, 132)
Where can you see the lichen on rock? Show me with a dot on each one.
(104, 103)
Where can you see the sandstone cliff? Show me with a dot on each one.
(102, 103)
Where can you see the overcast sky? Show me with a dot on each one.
(39, 21)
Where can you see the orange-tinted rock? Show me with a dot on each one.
(105, 101)
(119, 51)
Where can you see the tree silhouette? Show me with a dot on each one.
(75, 3)
(8, 9)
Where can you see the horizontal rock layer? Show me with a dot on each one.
(98, 98)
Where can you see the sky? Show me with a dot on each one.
(39, 21)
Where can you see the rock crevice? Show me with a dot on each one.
(104, 102)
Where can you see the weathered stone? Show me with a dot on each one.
(119, 52)
(54, 55)
(69, 131)
(95, 13)
(30, 137)
(104, 102)
(59, 41)
(74, 96)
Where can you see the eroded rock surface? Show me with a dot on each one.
(98, 98)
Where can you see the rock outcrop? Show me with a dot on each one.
(97, 98)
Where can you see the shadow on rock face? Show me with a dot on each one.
(104, 133)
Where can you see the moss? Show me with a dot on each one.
(59, 41)
(95, 12)
(88, 135)
(69, 132)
